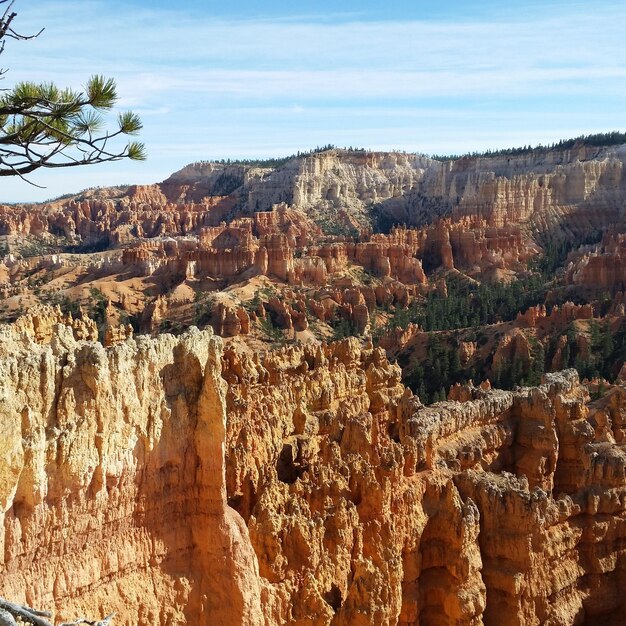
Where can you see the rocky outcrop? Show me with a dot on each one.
(365, 507)
(230, 321)
(41, 325)
(112, 483)
(103, 223)
(280, 244)
(566, 192)
(513, 346)
(579, 189)
(311, 487)
(602, 266)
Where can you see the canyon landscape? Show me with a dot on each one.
(345, 387)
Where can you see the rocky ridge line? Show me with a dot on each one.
(329, 494)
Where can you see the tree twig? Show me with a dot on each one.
(9, 612)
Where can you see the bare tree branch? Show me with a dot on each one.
(6, 619)
(10, 612)
(25, 613)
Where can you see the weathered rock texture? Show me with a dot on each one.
(366, 508)
(581, 187)
(329, 223)
(112, 480)
(284, 244)
(327, 495)
(602, 266)
(564, 191)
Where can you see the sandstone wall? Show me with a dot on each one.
(583, 188)
(602, 266)
(569, 191)
(366, 508)
(311, 488)
(112, 491)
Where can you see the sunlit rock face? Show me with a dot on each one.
(577, 189)
(112, 480)
(177, 483)
(365, 507)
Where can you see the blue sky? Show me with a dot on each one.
(270, 78)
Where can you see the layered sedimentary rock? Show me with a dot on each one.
(602, 266)
(314, 488)
(113, 221)
(581, 188)
(366, 508)
(571, 192)
(230, 321)
(311, 487)
(112, 483)
(283, 244)
(316, 221)
(286, 245)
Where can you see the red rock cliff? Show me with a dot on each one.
(112, 482)
(351, 502)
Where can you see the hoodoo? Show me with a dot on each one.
(346, 388)
(176, 482)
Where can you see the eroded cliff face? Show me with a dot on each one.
(179, 484)
(366, 508)
(601, 266)
(112, 489)
(578, 189)
(568, 191)
(324, 222)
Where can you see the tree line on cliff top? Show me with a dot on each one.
(595, 140)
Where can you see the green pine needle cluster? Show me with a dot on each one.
(42, 125)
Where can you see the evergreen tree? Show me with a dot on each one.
(566, 356)
(43, 126)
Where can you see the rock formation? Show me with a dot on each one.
(180, 482)
(602, 266)
(365, 507)
(567, 191)
(582, 187)
(112, 481)
(308, 486)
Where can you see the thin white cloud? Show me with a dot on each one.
(140, 38)
(332, 84)
(432, 85)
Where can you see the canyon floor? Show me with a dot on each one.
(346, 387)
